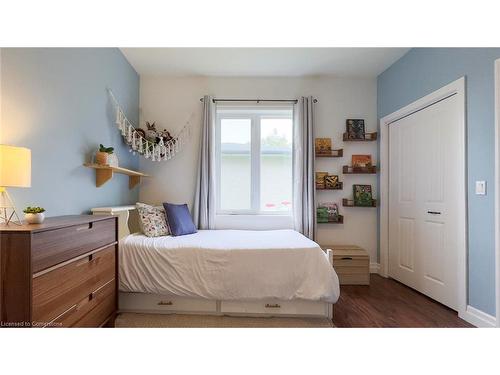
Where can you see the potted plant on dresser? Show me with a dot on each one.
(34, 215)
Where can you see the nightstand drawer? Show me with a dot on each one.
(351, 270)
(354, 278)
(350, 262)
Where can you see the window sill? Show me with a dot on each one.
(253, 221)
(270, 214)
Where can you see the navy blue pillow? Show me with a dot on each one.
(179, 219)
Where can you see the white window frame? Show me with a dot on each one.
(255, 114)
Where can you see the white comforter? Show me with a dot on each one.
(228, 265)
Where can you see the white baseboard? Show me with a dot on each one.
(478, 318)
(374, 268)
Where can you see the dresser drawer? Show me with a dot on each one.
(90, 311)
(52, 247)
(105, 307)
(59, 289)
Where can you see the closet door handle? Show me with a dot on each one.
(434, 212)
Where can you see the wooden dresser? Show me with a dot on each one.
(62, 273)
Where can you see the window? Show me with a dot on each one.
(254, 160)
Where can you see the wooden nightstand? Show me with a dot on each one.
(351, 263)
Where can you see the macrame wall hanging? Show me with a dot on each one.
(163, 147)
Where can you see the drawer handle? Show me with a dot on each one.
(167, 303)
(72, 309)
(434, 212)
(346, 258)
(272, 306)
(84, 227)
(88, 259)
(95, 292)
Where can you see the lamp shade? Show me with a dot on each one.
(15, 166)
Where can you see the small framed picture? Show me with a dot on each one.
(362, 195)
(328, 212)
(333, 211)
(331, 181)
(361, 161)
(320, 179)
(323, 145)
(355, 128)
(322, 215)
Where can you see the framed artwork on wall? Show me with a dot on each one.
(361, 161)
(323, 145)
(355, 129)
(362, 195)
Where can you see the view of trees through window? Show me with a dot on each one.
(276, 164)
(256, 174)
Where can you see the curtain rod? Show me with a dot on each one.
(257, 100)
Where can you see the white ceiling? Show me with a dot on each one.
(241, 62)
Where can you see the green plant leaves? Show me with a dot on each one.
(33, 210)
(108, 150)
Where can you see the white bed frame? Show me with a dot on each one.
(170, 304)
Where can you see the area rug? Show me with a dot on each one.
(131, 320)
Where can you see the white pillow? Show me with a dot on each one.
(152, 220)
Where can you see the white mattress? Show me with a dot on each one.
(228, 265)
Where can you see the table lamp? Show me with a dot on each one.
(15, 171)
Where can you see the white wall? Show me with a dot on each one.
(169, 101)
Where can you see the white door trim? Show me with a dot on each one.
(497, 189)
(455, 88)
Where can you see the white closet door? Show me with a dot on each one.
(424, 199)
(403, 205)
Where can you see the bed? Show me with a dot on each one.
(233, 272)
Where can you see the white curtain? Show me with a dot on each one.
(204, 200)
(304, 186)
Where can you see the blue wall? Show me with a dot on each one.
(54, 102)
(418, 73)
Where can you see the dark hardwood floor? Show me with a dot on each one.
(388, 303)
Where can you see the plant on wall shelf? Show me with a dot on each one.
(105, 156)
(107, 150)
